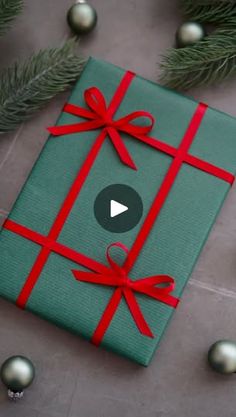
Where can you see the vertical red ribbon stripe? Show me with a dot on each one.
(72, 195)
(166, 186)
(150, 219)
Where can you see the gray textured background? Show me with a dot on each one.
(74, 379)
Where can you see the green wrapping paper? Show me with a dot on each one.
(175, 240)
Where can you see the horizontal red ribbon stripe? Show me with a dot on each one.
(189, 159)
(55, 246)
(100, 118)
(113, 276)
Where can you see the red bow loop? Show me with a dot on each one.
(158, 287)
(96, 101)
(124, 124)
(98, 115)
(114, 266)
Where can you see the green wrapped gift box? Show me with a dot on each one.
(113, 216)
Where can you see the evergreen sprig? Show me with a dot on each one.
(24, 88)
(211, 60)
(210, 11)
(9, 9)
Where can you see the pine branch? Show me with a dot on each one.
(9, 9)
(209, 61)
(25, 88)
(211, 11)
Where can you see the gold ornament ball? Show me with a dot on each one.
(17, 373)
(189, 33)
(222, 356)
(82, 18)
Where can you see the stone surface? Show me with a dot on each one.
(74, 378)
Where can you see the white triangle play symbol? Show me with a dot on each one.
(117, 208)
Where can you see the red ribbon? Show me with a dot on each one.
(117, 277)
(99, 116)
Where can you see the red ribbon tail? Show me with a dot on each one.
(137, 313)
(79, 111)
(150, 286)
(95, 278)
(107, 317)
(163, 297)
(75, 128)
(120, 148)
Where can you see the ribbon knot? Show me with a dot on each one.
(125, 282)
(100, 116)
(108, 122)
(158, 287)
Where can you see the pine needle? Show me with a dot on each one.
(9, 9)
(209, 61)
(26, 87)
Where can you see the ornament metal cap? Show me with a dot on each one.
(14, 396)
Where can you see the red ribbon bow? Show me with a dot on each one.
(116, 276)
(100, 116)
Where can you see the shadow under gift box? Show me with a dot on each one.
(173, 243)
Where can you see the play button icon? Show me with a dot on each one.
(118, 208)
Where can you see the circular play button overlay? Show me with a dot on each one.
(118, 208)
